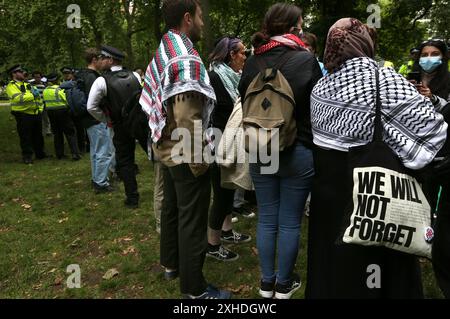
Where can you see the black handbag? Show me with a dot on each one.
(387, 206)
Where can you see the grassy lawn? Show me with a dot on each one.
(50, 219)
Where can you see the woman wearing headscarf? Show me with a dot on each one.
(435, 85)
(227, 61)
(281, 196)
(342, 116)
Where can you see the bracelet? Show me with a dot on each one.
(434, 99)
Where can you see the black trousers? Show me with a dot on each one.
(125, 144)
(62, 125)
(441, 245)
(29, 128)
(81, 135)
(184, 221)
(222, 201)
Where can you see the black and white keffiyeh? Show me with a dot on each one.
(343, 113)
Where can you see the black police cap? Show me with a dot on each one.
(15, 68)
(66, 69)
(52, 77)
(111, 52)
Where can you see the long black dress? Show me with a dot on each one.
(343, 270)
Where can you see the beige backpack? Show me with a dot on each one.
(269, 109)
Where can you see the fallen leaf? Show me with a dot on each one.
(63, 220)
(240, 289)
(75, 243)
(52, 271)
(26, 206)
(125, 239)
(16, 200)
(110, 274)
(37, 287)
(129, 250)
(58, 281)
(254, 251)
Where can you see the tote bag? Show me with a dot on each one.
(387, 207)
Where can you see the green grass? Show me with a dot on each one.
(66, 223)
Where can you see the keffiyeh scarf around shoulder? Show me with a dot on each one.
(343, 113)
(176, 68)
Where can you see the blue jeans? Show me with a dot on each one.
(101, 157)
(281, 201)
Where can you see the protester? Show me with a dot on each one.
(310, 41)
(282, 196)
(176, 103)
(227, 61)
(435, 85)
(343, 108)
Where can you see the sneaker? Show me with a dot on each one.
(222, 254)
(234, 219)
(103, 189)
(212, 293)
(76, 157)
(170, 275)
(266, 289)
(235, 238)
(287, 290)
(27, 161)
(242, 211)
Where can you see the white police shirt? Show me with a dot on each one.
(98, 92)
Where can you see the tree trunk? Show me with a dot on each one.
(157, 20)
(207, 34)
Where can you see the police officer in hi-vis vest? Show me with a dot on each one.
(26, 106)
(61, 122)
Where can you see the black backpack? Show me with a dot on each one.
(76, 97)
(123, 87)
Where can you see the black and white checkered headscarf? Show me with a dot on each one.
(343, 113)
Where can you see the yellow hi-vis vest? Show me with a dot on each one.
(55, 98)
(23, 102)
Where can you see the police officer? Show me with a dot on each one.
(61, 122)
(26, 106)
(407, 68)
(113, 90)
(68, 73)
